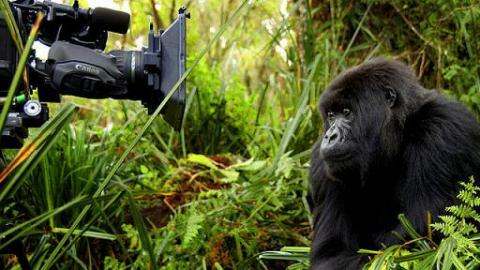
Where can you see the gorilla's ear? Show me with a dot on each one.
(391, 96)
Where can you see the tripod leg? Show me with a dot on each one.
(23, 261)
(18, 249)
(3, 163)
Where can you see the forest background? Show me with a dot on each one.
(232, 184)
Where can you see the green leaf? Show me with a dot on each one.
(36, 148)
(202, 160)
(250, 165)
(193, 226)
(142, 230)
(143, 169)
(230, 176)
(419, 255)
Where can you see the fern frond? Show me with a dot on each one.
(194, 225)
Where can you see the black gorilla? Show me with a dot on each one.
(390, 146)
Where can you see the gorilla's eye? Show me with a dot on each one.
(330, 115)
(346, 111)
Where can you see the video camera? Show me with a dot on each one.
(78, 66)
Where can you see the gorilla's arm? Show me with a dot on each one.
(334, 242)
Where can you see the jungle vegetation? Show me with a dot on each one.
(108, 187)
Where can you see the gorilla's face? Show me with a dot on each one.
(338, 143)
(356, 122)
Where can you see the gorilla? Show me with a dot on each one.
(389, 146)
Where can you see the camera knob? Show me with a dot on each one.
(32, 108)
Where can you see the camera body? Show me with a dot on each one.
(78, 66)
(8, 57)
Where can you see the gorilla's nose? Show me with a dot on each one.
(332, 137)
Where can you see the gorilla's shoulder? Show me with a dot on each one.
(444, 121)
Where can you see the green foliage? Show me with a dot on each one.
(192, 227)
(229, 222)
(461, 224)
(111, 264)
(298, 254)
(220, 114)
(458, 248)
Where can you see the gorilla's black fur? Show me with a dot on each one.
(390, 146)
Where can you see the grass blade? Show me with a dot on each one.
(407, 225)
(28, 226)
(187, 110)
(14, 33)
(87, 225)
(142, 230)
(11, 24)
(420, 255)
(288, 134)
(32, 152)
(91, 234)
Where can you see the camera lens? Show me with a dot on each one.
(131, 64)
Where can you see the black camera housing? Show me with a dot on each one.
(78, 66)
(8, 57)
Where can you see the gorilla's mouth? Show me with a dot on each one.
(337, 156)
